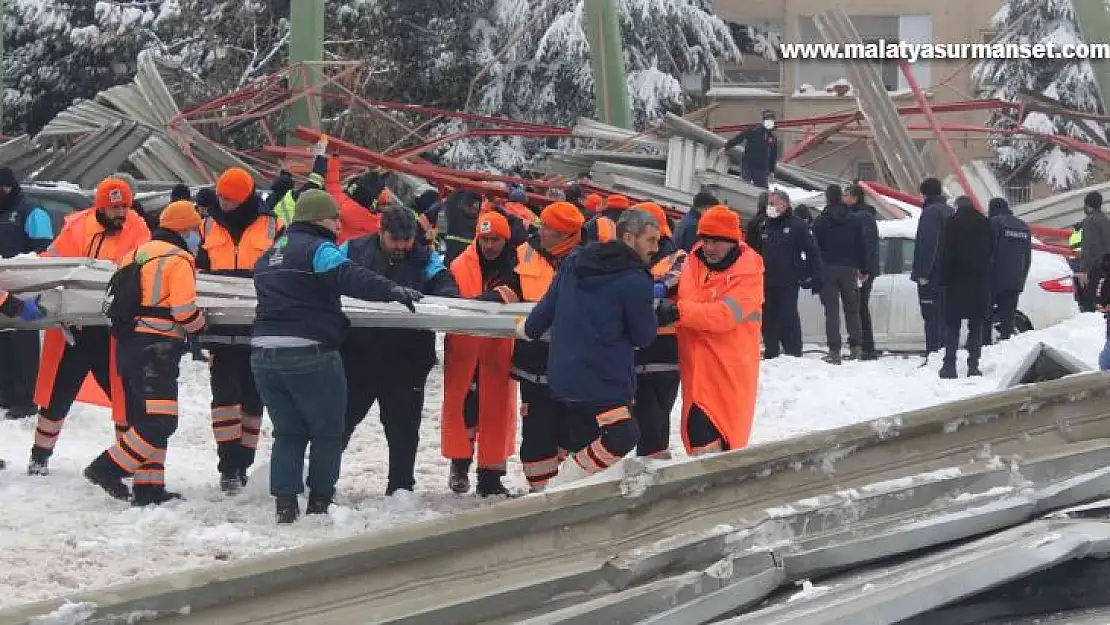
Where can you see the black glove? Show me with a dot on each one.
(406, 296)
(666, 313)
(815, 287)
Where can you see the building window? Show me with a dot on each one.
(865, 170)
(1019, 191)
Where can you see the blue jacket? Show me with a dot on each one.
(23, 228)
(599, 310)
(404, 354)
(298, 283)
(930, 227)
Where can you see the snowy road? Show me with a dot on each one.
(62, 535)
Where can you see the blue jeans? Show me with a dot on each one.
(1104, 356)
(305, 393)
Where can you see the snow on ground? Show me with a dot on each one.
(59, 534)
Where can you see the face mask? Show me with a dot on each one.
(773, 212)
(768, 124)
(192, 241)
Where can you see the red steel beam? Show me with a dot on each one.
(942, 139)
(816, 139)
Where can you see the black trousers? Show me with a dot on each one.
(974, 339)
(400, 399)
(703, 435)
(867, 331)
(91, 352)
(1003, 310)
(236, 407)
(931, 299)
(616, 434)
(782, 326)
(655, 397)
(544, 433)
(149, 366)
(19, 366)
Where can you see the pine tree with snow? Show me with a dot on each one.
(1071, 82)
(535, 66)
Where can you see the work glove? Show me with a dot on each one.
(406, 296)
(29, 310)
(815, 287)
(666, 313)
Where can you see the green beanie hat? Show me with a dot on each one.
(314, 204)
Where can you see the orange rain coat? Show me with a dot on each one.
(82, 236)
(720, 314)
(496, 391)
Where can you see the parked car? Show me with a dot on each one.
(1048, 297)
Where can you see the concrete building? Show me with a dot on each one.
(804, 88)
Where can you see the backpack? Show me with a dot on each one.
(123, 297)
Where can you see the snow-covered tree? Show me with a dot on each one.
(1071, 82)
(535, 62)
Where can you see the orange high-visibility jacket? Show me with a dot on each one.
(224, 255)
(82, 236)
(168, 283)
(355, 220)
(462, 355)
(720, 315)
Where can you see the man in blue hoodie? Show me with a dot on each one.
(935, 211)
(600, 309)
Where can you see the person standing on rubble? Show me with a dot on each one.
(108, 231)
(151, 342)
(298, 330)
(479, 397)
(390, 366)
(657, 377)
(24, 229)
(935, 212)
(761, 151)
(543, 418)
(718, 314)
(600, 309)
(603, 226)
(233, 238)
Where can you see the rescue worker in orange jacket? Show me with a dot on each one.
(603, 226)
(24, 309)
(657, 376)
(599, 310)
(149, 358)
(233, 237)
(479, 397)
(543, 425)
(107, 231)
(719, 313)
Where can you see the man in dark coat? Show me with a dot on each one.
(965, 267)
(1095, 245)
(934, 212)
(761, 151)
(1013, 254)
(24, 228)
(839, 235)
(686, 234)
(854, 198)
(386, 365)
(790, 259)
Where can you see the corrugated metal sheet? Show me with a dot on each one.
(1061, 210)
(97, 156)
(24, 157)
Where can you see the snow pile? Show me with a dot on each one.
(59, 534)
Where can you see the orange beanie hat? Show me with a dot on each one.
(617, 202)
(656, 211)
(235, 185)
(493, 223)
(180, 216)
(562, 217)
(592, 202)
(113, 192)
(720, 222)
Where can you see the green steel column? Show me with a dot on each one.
(1093, 17)
(306, 43)
(603, 31)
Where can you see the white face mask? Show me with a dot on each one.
(768, 124)
(774, 212)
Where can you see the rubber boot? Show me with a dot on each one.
(105, 474)
(948, 371)
(151, 495)
(287, 509)
(489, 484)
(973, 369)
(317, 504)
(230, 483)
(459, 478)
(39, 464)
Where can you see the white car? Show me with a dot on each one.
(1048, 298)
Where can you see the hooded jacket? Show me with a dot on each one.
(23, 228)
(839, 236)
(599, 309)
(934, 213)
